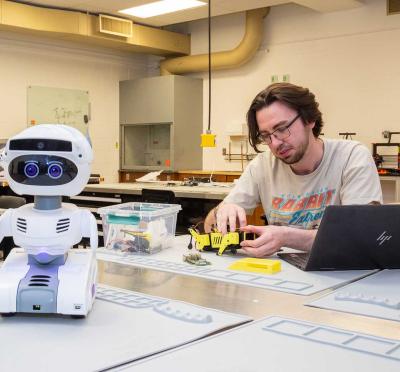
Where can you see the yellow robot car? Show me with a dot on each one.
(216, 241)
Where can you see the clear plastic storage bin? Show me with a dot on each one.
(139, 228)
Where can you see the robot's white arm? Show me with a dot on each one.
(5, 224)
(89, 228)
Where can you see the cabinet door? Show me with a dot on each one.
(255, 218)
(230, 178)
(131, 176)
(217, 177)
(182, 176)
(126, 176)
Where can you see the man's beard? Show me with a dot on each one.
(298, 155)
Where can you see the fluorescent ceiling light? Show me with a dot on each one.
(161, 7)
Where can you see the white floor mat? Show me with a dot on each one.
(377, 296)
(279, 345)
(122, 327)
(290, 279)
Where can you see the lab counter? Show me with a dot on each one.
(216, 191)
(390, 189)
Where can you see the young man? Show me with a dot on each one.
(298, 177)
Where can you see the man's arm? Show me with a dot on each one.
(272, 238)
(361, 183)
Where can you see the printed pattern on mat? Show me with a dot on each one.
(374, 300)
(130, 299)
(377, 296)
(335, 337)
(173, 309)
(217, 274)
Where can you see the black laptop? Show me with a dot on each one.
(353, 237)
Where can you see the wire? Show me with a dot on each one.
(190, 245)
(212, 173)
(209, 65)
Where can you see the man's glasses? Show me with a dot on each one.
(281, 133)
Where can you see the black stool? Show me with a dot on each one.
(158, 196)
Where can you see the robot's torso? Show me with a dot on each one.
(49, 231)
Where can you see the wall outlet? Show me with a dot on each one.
(274, 78)
(286, 78)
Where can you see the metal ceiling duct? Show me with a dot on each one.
(222, 60)
(83, 27)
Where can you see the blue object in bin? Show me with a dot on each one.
(123, 220)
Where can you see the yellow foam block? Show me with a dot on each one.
(257, 265)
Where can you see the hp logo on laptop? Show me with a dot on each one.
(383, 237)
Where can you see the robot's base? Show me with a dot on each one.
(67, 289)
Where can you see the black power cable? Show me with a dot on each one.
(209, 66)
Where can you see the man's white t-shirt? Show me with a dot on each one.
(346, 175)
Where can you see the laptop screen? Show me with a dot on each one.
(357, 237)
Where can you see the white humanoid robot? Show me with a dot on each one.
(45, 275)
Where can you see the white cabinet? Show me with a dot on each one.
(390, 189)
(161, 120)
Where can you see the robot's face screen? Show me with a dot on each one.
(37, 144)
(42, 170)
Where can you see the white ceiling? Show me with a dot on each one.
(218, 7)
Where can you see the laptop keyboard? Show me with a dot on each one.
(296, 259)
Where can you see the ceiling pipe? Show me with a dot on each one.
(222, 60)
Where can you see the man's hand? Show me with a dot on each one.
(228, 213)
(272, 238)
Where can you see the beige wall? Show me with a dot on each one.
(349, 59)
(28, 61)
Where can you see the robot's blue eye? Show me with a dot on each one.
(55, 171)
(31, 170)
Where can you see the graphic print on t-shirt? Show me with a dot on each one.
(304, 211)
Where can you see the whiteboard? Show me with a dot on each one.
(48, 105)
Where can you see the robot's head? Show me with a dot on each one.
(47, 160)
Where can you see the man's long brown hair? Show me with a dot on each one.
(298, 98)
